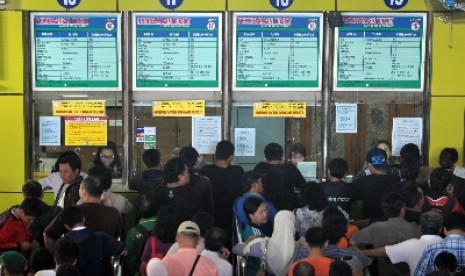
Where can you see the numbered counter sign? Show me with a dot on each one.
(69, 4)
(281, 4)
(171, 4)
(395, 4)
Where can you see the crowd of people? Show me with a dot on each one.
(395, 218)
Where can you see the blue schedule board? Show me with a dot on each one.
(76, 51)
(379, 52)
(177, 51)
(277, 51)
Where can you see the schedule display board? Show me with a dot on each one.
(380, 52)
(76, 51)
(177, 51)
(276, 51)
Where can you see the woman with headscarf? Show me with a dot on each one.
(281, 248)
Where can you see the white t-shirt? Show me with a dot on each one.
(49, 272)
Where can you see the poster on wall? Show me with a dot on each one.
(206, 133)
(49, 131)
(177, 51)
(86, 131)
(380, 51)
(244, 141)
(277, 51)
(346, 118)
(404, 131)
(76, 52)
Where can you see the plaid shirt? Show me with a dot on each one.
(452, 243)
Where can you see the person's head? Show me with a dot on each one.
(303, 268)
(252, 182)
(72, 217)
(190, 155)
(412, 194)
(274, 152)
(338, 167)
(409, 170)
(29, 210)
(386, 146)
(215, 239)
(176, 171)
(41, 259)
(224, 150)
(340, 268)
(151, 158)
(69, 167)
(448, 158)
(32, 189)
(445, 261)
(410, 152)
(298, 153)
(90, 189)
(63, 154)
(315, 238)
(393, 205)
(108, 156)
(204, 220)
(376, 159)
(188, 234)
(431, 223)
(255, 210)
(103, 174)
(13, 263)
(67, 270)
(144, 206)
(439, 179)
(313, 196)
(166, 224)
(454, 221)
(334, 224)
(66, 252)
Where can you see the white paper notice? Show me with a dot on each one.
(404, 131)
(346, 118)
(50, 131)
(244, 141)
(206, 133)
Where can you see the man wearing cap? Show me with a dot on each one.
(410, 251)
(187, 260)
(371, 188)
(454, 242)
(13, 263)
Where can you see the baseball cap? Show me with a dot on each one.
(13, 261)
(189, 227)
(377, 157)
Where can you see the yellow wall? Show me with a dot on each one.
(11, 52)
(52, 5)
(187, 5)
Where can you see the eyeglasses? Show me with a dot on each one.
(107, 156)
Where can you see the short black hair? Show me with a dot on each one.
(166, 226)
(66, 251)
(215, 239)
(334, 224)
(410, 152)
(251, 205)
(338, 167)
(410, 193)
(31, 207)
(302, 268)
(392, 204)
(72, 159)
(32, 189)
(173, 168)
(446, 261)
(313, 196)
(190, 155)
(273, 151)
(224, 149)
(144, 206)
(439, 180)
(298, 148)
(41, 259)
(340, 268)
(409, 170)
(93, 186)
(61, 156)
(103, 174)
(151, 158)
(315, 237)
(455, 221)
(250, 177)
(72, 215)
(204, 220)
(448, 158)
